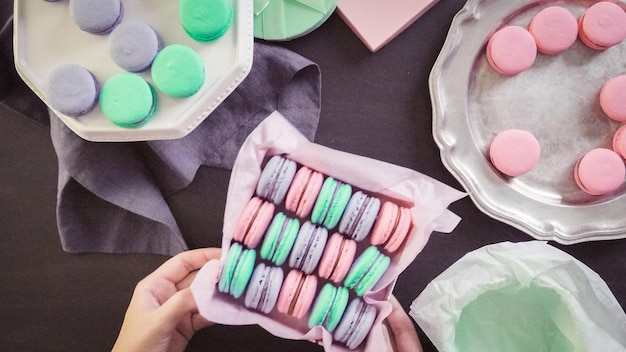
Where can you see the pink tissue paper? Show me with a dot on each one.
(376, 22)
(427, 198)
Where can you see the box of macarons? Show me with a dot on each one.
(315, 238)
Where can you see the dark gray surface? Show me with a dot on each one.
(377, 105)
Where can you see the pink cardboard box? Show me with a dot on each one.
(376, 22)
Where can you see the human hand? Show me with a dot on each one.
(162, 314)
(402, 334)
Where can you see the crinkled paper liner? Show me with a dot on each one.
(427, 198)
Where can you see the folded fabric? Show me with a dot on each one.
(112, 196)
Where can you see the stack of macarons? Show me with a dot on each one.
(134, 46)
(310, 246)
(512, 49)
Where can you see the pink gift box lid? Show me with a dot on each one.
(377, 22)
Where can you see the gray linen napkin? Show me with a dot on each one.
(111, 196)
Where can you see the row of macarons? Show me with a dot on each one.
(309, 248)
(127, 99)
(297, 294)
(326, 201)
(513, 49)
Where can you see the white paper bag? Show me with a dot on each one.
(515, 297)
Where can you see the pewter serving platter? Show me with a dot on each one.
(556, 100)
(45, 36)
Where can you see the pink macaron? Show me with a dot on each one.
(554, 29)
(613, 98)
(511, 50)
(514, 152)
(337, 258)
(619, 141)
(297, 294)
(303, 191)
(253, 221)
(599, 171)
(602, 25)
(392, 226)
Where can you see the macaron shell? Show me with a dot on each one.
(600, 171)
(359, 216)
(304, 189)
(228, 267)
(331, 203)
(243, 272)
(367, 270)
(279, 239)
(613, 98)
(178, 71)
(356, 323)
(127, 100)
(72, 90)
(554, 29)
(337, 258)
(297, 294)
(205, 21)
(276, 178)
(133, 45)
(619, 141)
(511, 50)
(338, 308)
(96, 16)
(514, 152)
(264, 288)
(308, 248)
(602, 25)
(323, 304)
(391, 227)
(253, 222)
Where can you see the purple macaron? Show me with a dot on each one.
(72, 90)
(355, 324)
(308, 248)
(96, 16)
(133, 45)
(359, 216)
(264, 288)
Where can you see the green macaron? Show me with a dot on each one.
(279, 239)
(331, 203)
(236, 270)
(329, 306)
(127, 100)
(367, 270)
(205, 20)
(178, 71)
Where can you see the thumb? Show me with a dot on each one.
(176, 308)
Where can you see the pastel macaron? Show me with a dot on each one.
(264, 288)
(602, 25)
(276, 178)
(297, 294)
(178, 71)
(619, 141)
(511, 50)
(392, 226)
(613, 98)
(554, 29)
(514, 152)
(329, 306)
(253, 222)
(308, 248)
(331, 202)
(236, 270)
(279, 239)
(133, 45)
(96, 16)
(205, 20)
(356, 323)
(304, 189)
(359, 216)
(128, 100)
(337, 258)
(367, 270)
(600, 171)
(72, 90)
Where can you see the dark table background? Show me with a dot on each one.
(373, 104)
